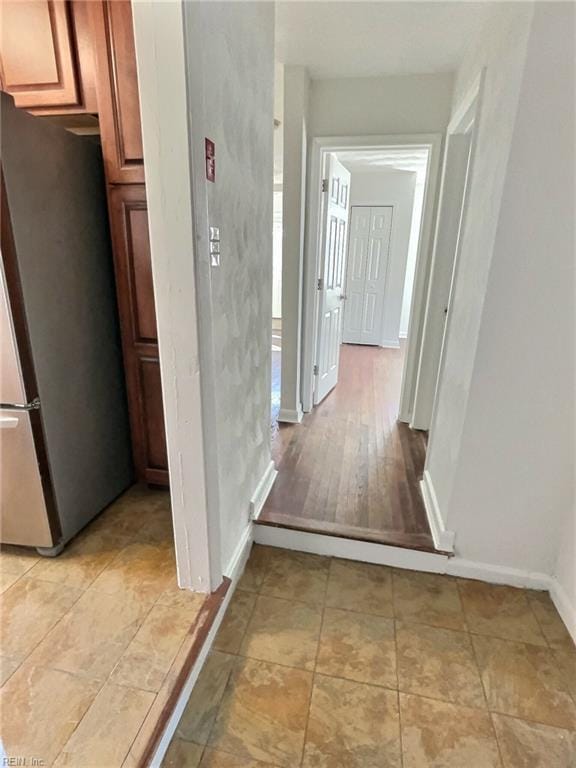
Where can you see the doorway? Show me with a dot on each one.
(352, 469)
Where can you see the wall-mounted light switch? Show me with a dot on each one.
(214, 247)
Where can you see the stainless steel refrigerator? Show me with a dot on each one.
(64, 437)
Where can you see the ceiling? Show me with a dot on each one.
(367, 39)
(358, 160)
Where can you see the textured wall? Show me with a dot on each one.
(231, 86)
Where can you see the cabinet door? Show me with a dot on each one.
(46, 55)
(129, 222)
(117, 87)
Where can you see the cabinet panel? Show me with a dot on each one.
(38, 66)
(117, 85)
(47, 61)
(135, 291)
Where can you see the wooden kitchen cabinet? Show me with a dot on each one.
(46, 58)
(131, 245)
(117, 88)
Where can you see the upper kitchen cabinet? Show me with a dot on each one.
(46, 59)
(117, 88)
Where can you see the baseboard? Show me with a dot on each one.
(390, 343)
(237, 562)
(262, 490)
(349, 549)
(443, 539)
(564, 606)
(497, 574)
(234, 572)
(289, 416)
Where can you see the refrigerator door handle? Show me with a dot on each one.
(33, 405)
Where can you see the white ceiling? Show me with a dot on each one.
(364, 160)
(366, 39)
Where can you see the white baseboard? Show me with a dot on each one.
(262, 490)
(497, 574)
(233, 571)
(290, 416)
(443, 539)
(564, 606)
(390, 343)
(349, 549)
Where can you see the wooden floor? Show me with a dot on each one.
(351, 469)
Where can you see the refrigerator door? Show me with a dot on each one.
(23, 513)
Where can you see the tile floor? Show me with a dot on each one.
(335, 664)
(87, 639)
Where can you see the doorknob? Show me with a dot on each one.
(343, 297)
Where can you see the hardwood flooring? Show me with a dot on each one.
(351, 469)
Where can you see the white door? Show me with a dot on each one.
(368, 254)
(331, 281)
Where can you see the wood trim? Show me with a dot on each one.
(16, 300)
(202, 626)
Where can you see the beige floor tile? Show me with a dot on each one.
(436, 734)
(82, 560)
(551, 624)
(438, 663)
(530, 745)
(352, 725)
(106, 732)
(499, 611)
(523, 680)
(8, 665)
(359, 647)
(7, 579)
(184, 598)
(360, 587)
(131, 512)
(92, 637)
(28, 611)
(202, 707)
(253, 576)
(283, 632)
(296, 576)
(263, 713)
(566, 663)
(182, 754)
(216, 759)
(141, 569)
(427, 598)
(17, 560)
(233, 627)
(147, 659)
(40, 710)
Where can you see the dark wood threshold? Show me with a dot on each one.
(422, 542)
(146, 743)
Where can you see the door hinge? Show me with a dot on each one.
(324, 185)
(320, 284)
(316, 370)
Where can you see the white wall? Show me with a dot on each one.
(230, 83)
(501, 456)
(380, 105)
(396, 188)
(412, 255)
(296, 87)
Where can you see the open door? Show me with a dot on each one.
(336, 188)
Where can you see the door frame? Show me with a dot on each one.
(321, 146)
(464, 122)
(159, 32)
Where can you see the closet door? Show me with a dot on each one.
(369, 250)
(129, 222)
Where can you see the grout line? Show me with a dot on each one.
(395, 621)
(322, 615)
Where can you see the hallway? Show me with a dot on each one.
(350, 469)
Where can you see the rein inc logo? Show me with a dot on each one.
(17, 761)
